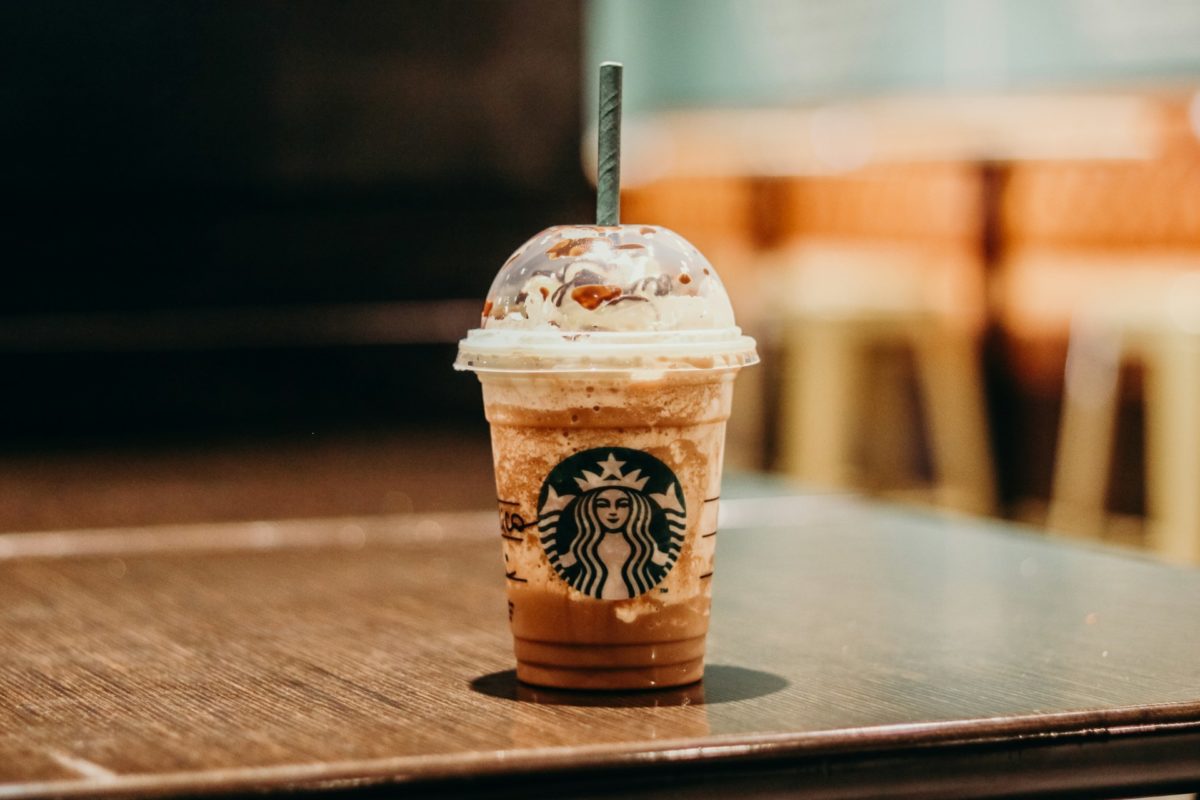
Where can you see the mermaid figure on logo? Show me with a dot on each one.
(614, 541)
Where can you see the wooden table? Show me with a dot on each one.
(856, 650)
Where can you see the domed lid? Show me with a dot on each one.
(606, 297)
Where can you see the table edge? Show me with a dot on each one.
(1075, 728)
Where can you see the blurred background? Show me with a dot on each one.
(244, 238)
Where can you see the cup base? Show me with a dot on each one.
(647, 676)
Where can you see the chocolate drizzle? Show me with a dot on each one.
(581, 278)
(659, 285)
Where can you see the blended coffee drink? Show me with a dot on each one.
(607, 356)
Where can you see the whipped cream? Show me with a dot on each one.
(620, 278)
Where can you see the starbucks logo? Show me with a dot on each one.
(611, 521)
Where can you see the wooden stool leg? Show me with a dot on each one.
(1173, 445)
(821, 391)
(1083, 457)
(888, 453)
(952, 391)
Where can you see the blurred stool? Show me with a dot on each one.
(826, 394)
(1161, 331)
(884, 258)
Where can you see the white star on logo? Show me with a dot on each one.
(611, 466)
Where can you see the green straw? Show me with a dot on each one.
(608, 146)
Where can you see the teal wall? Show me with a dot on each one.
(686, 53)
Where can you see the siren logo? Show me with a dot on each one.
(612, 521)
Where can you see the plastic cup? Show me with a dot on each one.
(607, 357)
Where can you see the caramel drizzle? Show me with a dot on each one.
(571, 248)
(593, 295)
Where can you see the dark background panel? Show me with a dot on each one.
(258, 156)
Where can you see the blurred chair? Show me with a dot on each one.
(1111, 251)
(1159, 328)
(828, 396)
(883, 259)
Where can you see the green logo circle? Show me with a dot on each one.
(612, 521)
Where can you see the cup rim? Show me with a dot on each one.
(490, 350)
